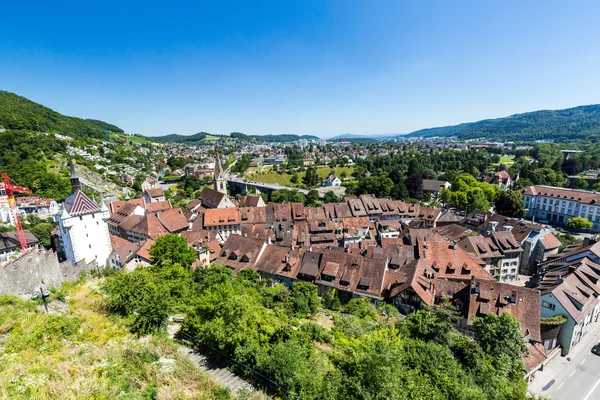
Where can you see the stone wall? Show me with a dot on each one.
(23, 275)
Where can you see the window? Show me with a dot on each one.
(90, 245)
(81, 217)
(548, 305)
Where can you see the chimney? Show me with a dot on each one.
(454, 245)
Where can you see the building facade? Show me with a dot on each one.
(558, 205)
(83, 226)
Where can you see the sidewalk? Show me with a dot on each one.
(559, 364)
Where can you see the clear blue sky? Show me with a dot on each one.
(307, 67)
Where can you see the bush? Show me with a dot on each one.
(316, 332)
(362, 308)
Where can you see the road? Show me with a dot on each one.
(577, 379)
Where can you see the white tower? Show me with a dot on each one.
(83, 226)
(220, 181)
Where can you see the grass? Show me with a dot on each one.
(285, 179)
(85, 354)
(507, 159)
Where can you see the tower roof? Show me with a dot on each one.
(79, 204)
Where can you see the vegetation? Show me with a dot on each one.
(278, 333)
(581, 123)
(579, 223)
(286, 179)
(19, 113)
(187, 139)
(567, 240)
(510, 203)
(81, 352)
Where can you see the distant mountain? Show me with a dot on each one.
(286, 137)
(20, 113)
(581, 122)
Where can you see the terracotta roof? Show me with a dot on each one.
(279, 212)
(79, 204)
(273, 259)
(550, 241)
(156, 192)
(240, 252)
(221, 216)
(490, 296)
(371, 204)
(158, 206)
(150, 226)
(357, 208)
(250, 201)
(310, 264)
(258, 231)
(454, 232)
(173, 220)
(210, 197)
(535, 355)
(114, 206)
(253, 215)
(580, 196)
(483, 247)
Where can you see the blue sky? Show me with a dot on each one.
(305, 67)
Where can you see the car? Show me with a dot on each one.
(596, 349)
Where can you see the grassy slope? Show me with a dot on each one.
(84, 354)
(284, 179)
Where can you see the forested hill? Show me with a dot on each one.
(20, 113)
(581, 122)
(189, 139)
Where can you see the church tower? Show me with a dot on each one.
(220, 181)
(83, 226)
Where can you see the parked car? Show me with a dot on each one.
(596, 349)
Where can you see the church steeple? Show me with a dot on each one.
(75, 185)
(220, 182)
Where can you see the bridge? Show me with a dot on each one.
(244, 184)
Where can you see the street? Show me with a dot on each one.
(577, 379)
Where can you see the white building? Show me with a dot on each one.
(333, 181)
(558, 205)
(323, 142)
(83, 226)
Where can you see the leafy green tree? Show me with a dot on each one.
(172, 249)
(306, 300)
(42, 232)
(361, 307)
(500, 335)
(579, 223)
(581, 184)
(330, 197)
(311, 177)
(510, 203)
(152, 312)
(312, 198)
(477, 200)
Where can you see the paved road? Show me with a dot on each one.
(577, 379)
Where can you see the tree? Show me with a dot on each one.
(414, 184)
(312, 198)
(311, 178)
(330, 197)
(500, 335)
(477, 200)
(306, 300)
(172, 249)
(571, 166)
(579, 223)
(581, 184)
(152, 312)
(510, 204)
(294, 178)
(42, 232)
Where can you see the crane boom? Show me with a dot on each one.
(10, 192)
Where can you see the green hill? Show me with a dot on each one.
(187, 139)
(576, 123)
(20, 113)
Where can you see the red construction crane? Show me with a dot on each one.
(10, 192)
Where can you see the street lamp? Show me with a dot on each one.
(43, 294)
